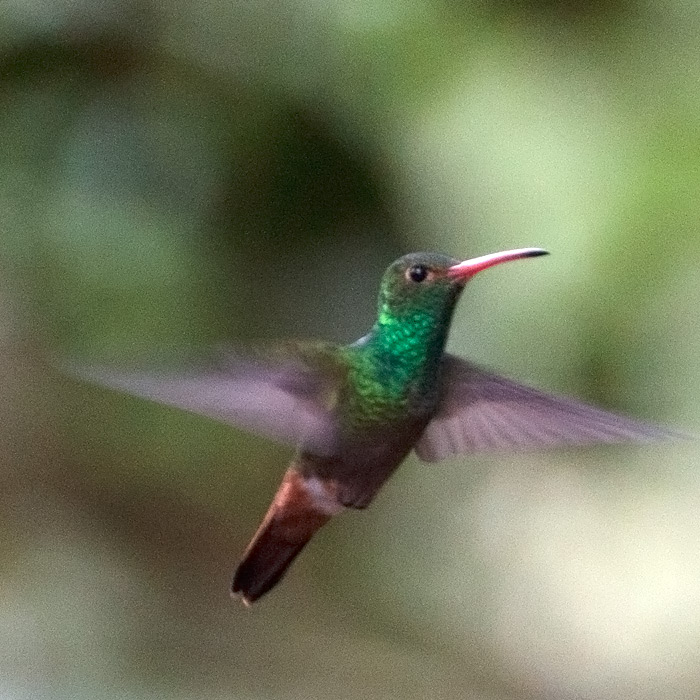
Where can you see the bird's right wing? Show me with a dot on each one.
(481, 412)
(288, 398)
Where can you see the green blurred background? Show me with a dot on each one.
(181, 174)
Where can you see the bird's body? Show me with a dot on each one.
(354, 412)
(384, 391)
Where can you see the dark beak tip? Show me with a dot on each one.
(536, 252)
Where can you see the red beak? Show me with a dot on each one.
(469, 268)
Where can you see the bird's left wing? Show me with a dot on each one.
(286, 397)
(480, 411)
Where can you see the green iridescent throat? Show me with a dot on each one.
(395, 367)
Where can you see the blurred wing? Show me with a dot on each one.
(288, 400)
(482, 412)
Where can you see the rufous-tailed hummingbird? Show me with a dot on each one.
(354, 412)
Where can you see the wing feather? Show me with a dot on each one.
(285, 398)
(481, 411)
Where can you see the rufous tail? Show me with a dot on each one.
(301, 506)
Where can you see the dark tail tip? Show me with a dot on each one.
(269, 555)
(263, 567)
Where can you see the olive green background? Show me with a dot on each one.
(182, 174)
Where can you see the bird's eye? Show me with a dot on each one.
(417, 273)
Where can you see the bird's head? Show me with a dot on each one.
(432, 283)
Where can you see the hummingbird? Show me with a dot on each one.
(354, 412)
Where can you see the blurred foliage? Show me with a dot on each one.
(180, 174)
